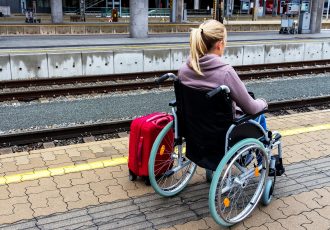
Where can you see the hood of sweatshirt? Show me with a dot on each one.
(209, 62)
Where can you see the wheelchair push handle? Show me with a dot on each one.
(218, 90)
(165, 77)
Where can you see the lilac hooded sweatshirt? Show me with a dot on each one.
(217, 73)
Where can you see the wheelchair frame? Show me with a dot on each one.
(231, 158)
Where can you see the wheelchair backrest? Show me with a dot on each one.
(203, 123)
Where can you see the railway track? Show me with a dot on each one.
(22, 91)
(112, 127)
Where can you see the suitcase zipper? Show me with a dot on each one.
(140, 152)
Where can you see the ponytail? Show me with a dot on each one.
(202, 40)
(197, 49)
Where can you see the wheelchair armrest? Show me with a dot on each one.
(217, 90)
(172, 103)
(163, 78)
(247, 117)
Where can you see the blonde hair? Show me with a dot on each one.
(203, 39)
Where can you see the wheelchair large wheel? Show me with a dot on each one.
(237, 185)
(169, 169)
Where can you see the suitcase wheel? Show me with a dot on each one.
(146, 180)
(132, 176)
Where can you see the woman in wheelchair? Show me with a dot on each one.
(205, 69)
(210, 130)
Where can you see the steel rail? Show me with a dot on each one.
(283, 72)
(282, 65)
(46, 135)
(29, 137)
(298, 103)
(33, 95)
(80, 79)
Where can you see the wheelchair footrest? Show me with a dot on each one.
(279, 172)
(279, 168)
(277, 137)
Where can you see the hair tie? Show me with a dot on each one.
(201, 30)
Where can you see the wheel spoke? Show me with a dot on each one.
(166, 172)
(238, 189)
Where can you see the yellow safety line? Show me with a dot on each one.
(147, 46)
(61, 170)
(290, 132)
(34, 175)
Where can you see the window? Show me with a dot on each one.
(43, 3)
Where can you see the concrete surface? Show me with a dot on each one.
(67, 188)
(148, 55)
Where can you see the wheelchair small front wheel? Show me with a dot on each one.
(237, 185)
(169, 168)
(209, 175)
(132, 176)
(268, 192)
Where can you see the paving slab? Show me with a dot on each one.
(99, 195)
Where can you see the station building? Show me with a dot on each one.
(43, 6)
(99, 6)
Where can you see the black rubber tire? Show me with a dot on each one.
(209, 175)
(268, 192)
(146, 180)
(131, 176)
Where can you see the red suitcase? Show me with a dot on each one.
(143, 132)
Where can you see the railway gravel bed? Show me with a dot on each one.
(63, 112)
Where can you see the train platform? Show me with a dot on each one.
(86, 186)
(74, 43)
(50, 56)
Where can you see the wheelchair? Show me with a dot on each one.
(236, 153)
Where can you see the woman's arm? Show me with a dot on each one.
(241, 96)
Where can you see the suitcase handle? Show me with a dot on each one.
(140, 151)
(162, 121)
(156, 116)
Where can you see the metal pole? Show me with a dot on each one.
(225, 8)
(120, 8)
(106, 8)
(264, 8)
(215, 6)
(179, 10)
(327, 9)
(275, 6)
(220, 10)
(173, 11)
(113, 4)
(255, 13)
